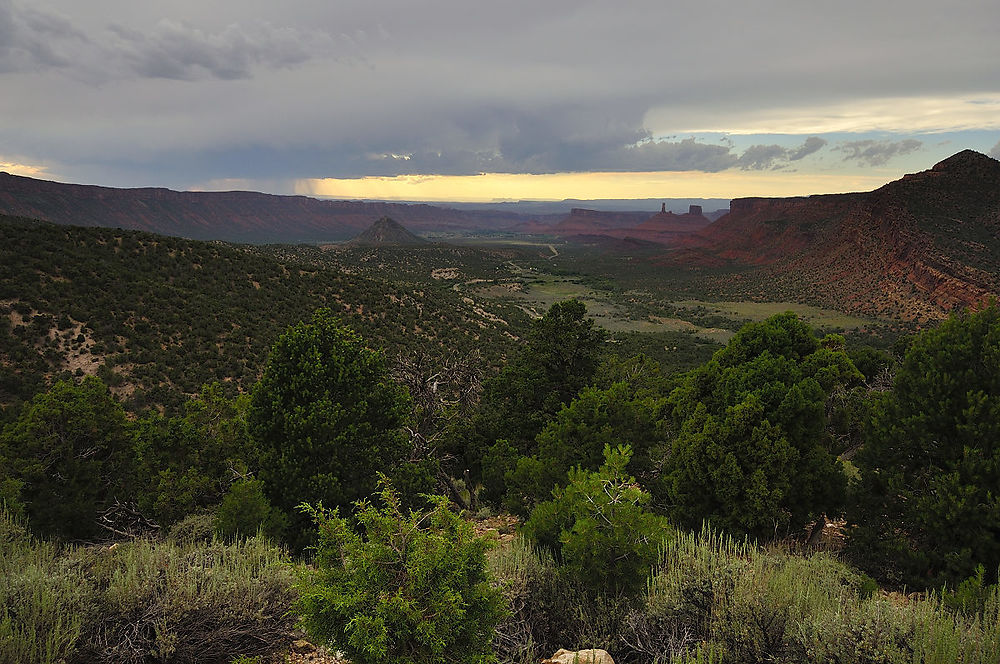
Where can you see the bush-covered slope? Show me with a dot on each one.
(156, 316)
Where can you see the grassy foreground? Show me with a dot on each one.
(715, 599)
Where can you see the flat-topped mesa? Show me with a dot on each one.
(753, 204)
(586, 213)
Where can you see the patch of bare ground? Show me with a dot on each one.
(73, 343)
(303, 651)
(502, 527)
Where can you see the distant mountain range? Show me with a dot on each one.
(914, 248)
(245, 216)
(236, 216)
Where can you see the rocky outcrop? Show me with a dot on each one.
(580, 221)
(593, 656)
(915, 248)
(662, 228)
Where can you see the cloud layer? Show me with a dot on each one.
(875, 153)
(186, 92)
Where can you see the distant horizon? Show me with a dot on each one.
(456, 102)
(441, 189)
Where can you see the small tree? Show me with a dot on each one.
(245, 511)
(599, 526)
(187, 463)
(409, 588)
(751, 450)
(71, 453)
(560, 358)
(327, 417)
(578, 435)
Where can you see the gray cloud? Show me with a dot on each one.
(768, 157)
(33, 39)
(192, 90)
(873, 152)
(812, 144)
(685, 155)
(761, 157)
(995, 152)
(177, 50)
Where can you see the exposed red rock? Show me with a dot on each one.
(661, 228)
(590, 222)
(914, 248)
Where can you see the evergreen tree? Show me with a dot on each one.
(751, 450)
(599, 526)
(403, 588)
(927, 506)
(326, 418)
(188, 462)
(70, 450)
(580, 432)
(560, 358)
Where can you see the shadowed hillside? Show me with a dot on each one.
(236, 216)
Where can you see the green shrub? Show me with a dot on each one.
(599, 527)
(197, 528)
(751, 451)
(187, 463)
(71, 452)
(577, 435)
(245, 510)
(327, 417)
(406, 589)
(44, 603)
(752, 604)
(547, 611)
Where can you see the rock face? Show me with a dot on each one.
(588, 222)
(662, 228)
(386, 233)
(915, 248)
(238, 216)
(580, 657)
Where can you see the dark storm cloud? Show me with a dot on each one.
(177, 50)
(34, 39)
(873, 152)
(336, 89)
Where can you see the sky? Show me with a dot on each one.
(465, 100)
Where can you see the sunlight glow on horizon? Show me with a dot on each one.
(27, 170)
(889, 114)
(494, 187)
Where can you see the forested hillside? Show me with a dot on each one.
(156, 317)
